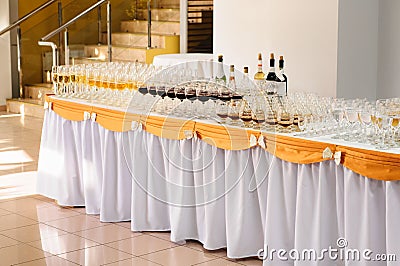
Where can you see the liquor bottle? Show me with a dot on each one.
(282, 87)
(220, 77)
(232, 82)
(271, 77)
(259, 77)
(245, 84)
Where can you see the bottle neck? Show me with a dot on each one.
(220, 72)
(259, 66)
(272, 65)
(232, 76)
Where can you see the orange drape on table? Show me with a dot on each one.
(372, 164)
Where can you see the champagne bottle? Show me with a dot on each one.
(259, 76)
(220, 77)
(282, 88)
(271, 77)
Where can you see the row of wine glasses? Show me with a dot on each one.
(107, 83)
(355, 120)
(181, 92)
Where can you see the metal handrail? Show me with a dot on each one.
(71, 21)
(27, 16)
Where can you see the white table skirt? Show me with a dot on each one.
(241, 200)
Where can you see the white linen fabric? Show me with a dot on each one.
(242, 200)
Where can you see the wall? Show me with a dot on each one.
(389, 49)
(358, 49)
(5, 68)
(305, 32)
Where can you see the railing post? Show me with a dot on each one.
(148, 24)
(99, 37)
(59, 7)
(66, 48)
(109, 47)
(136, 7)
(19, 63)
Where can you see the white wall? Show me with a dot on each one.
(305, 32)
(5, 66)
(389, 49)
(358, 49)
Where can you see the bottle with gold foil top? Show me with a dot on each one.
(259, 76)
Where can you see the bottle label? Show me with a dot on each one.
(281, 88)
(280, 75)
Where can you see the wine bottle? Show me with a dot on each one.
(220, 77)
(232, 82)
(282, 87)
(271, 77)
(259, 77)
(245, 84)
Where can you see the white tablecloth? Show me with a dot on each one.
(201, 192)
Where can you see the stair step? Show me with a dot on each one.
(160, 14)
(137, 39)
(119, 53)
(26, 107)
(157, 27)
(88, 60)
(37, 91)
(166, 4)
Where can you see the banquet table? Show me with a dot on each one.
(225, 186)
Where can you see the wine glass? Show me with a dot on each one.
(54, 78)
(383, 122)
(203, 95)
(246, 114)
(285, 119)
(234, 111)
(222, 111)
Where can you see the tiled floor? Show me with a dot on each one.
(34, 230)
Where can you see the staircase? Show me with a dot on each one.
(129, 44)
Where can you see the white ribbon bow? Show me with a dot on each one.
(261, 141)
(86, 115)
(136, 125)
(47, 105)
(253, 140)
(93, 117)
(328, 154)
(189, 134)
(338, 157)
